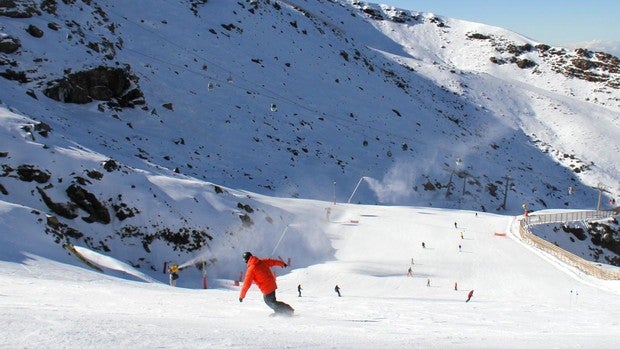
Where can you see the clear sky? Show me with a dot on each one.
(554, 22)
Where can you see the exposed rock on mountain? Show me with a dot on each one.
(114, 85)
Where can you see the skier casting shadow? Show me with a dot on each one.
(259, 272)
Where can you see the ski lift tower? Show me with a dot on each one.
(601, 188)
(452, 172)
(508, 179)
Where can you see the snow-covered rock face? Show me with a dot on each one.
(285, 98)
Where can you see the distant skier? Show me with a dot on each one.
(410, 272)
(471, 293)
(462, 236)
(174, 274)
(455, 225)
(259, 272)
(455, 286)
(423, 244)
(428, 282)
(299, 289)
(459, 248)
(337, 289)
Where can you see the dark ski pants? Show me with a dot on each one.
(277, 306)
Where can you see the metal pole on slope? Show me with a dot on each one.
(278, 244)
(354, 190)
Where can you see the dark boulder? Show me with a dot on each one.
(101, 83)
(88, 202)
(34, 31)
(9, 44)
(29, 173)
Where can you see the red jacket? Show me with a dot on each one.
(260, 273)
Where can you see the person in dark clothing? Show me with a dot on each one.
(259, 272)
(299, 289)
(471, 293)
(337, 289)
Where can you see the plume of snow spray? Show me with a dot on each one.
(395, 185)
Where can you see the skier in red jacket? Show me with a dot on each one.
(259, 272)
(469, 295)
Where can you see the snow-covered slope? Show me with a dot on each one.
(179, 124)
(522, 298)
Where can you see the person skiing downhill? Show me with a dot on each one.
(469, 295)
(259, 272)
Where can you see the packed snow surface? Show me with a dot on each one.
(522, 297)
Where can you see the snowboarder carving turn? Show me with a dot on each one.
(259, 272)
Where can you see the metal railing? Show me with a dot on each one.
(563, 217)
(588, 267)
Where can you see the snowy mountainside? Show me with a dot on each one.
(544, 91)
(390, 116)
(152, 216)
(166, 124)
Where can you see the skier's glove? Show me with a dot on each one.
(285, 265)
(240, 300)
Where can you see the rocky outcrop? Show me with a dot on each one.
(29, 173)
(88, 202)
(113, 85)
(34, 31)
(9, 44)
(66, 210)
(582, 64)
(18, 9)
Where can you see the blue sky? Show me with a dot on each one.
(554, 22)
